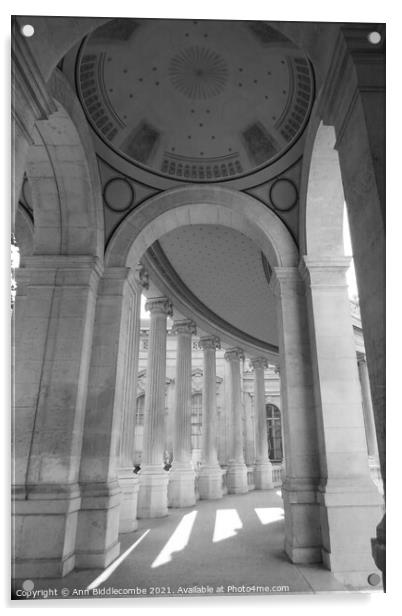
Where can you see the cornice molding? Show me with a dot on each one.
(324, 272)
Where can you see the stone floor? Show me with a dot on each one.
(230, 546)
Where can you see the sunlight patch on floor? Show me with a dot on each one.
(177, 541)
(267, 515)
(227, 523)
(108, 572)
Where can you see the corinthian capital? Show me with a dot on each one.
(159, 305)
(259, 363)
(234, 354)
(142, 276)
(185, 326)
(209, 342)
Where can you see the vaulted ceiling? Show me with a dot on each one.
(199, 101)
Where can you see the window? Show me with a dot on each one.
(139, 415)
(274, 432)
(196, 421)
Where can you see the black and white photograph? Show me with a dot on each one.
(197, 307)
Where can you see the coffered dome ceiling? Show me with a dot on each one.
(203, 101)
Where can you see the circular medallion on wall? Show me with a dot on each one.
(118, 194)
(283, 194)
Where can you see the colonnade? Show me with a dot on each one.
(327, 484)
(158, 489)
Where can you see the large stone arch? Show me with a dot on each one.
(200, 205)
(65, 187)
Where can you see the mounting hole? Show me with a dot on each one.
(374, 38)
(27, 30)
(373, 579)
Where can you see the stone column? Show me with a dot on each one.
(349, 501)
(353, 100)
(367, 406)
(54, 321)
(210, 478)
(97, 541)
(249, 453)
(299, 489)
(237, 470)
(128, 480)
(152, 496)
(263, 466)
(181, 489)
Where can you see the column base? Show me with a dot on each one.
(44, 531)
(250, 478)
(237, 478)
(263, 476)
(152, 494)
(302, 521)
(129, 485)
(349, 516)
(97, 542)
(210, 482)
(224, 480)
(181, 486)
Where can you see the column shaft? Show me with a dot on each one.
(210, 479)
(129, 482)
(353, 100)
(97, 541)
(348, 498)
(237, 470)
(181, 490)
(263, 471)
(54, 320)
(249, 453)
(299, 489)
(152, 497)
